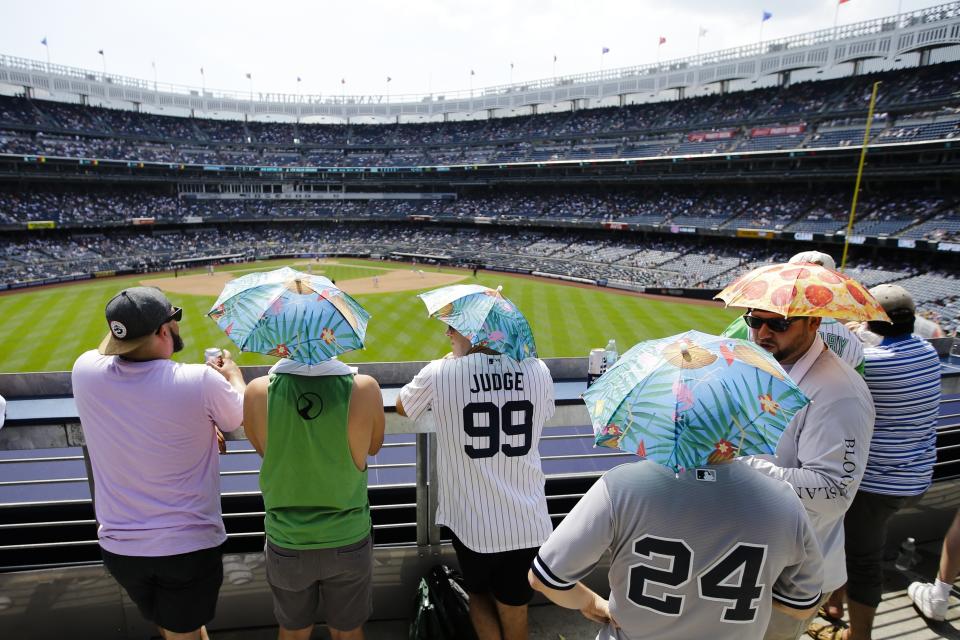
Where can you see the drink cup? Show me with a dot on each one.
(213, 354)
(596, 365)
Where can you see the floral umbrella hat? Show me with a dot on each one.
(290, 314)
(484, 317)
(693, 399)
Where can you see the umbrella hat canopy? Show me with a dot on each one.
(289, 314)
(693, 399)
(483, 316)
(803, 289)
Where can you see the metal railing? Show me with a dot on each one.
(26, 431)
(60, 432)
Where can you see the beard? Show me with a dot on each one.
(177, 341)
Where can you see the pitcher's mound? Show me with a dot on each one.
(387, 282)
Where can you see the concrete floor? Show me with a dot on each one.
(896, 616)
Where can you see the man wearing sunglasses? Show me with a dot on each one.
(835, 335)
(824, 449)
(150, 427)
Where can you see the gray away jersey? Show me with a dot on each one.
(490, 412)
(695, 556)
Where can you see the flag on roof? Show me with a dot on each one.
(201, 70)
(703, 32)
(511, 65)
(44, 41)
(299, 78)
(249, 76)
(343, 81)
(662, 40)
(389, 78)
(843, 1)
(472, 72)
(605, 50)
(554, 57)
(766, 16)
(100, 51)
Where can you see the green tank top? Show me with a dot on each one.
(314, 495)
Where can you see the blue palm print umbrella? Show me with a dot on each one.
(693, 399)
(290, 314)
(484, 317)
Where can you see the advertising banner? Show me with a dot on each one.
(789, 130)
(702, 136)
(765, 234)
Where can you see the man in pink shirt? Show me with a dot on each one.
(151, 428)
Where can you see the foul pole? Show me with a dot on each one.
(856, 188)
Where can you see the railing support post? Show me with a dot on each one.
(423, 507)
(433, 494)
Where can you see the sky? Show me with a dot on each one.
(424, 46)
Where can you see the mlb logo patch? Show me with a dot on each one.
(706, 475)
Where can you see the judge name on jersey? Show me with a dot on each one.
(497, 382)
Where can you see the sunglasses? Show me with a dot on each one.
(778, 325)
(176, 315)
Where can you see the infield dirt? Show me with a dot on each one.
(386, 282)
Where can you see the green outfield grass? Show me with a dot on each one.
(46, 329)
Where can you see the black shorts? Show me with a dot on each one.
(178, 593)
(503, 574)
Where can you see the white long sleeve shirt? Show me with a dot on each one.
(824, 449)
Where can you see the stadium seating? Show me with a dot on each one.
(632, 263)
(642, 130)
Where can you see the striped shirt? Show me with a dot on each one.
(903, 375)
(490, 412)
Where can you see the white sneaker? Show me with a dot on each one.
(922, 594)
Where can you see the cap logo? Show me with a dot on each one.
(118, 329)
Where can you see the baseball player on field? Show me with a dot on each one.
(490, 410)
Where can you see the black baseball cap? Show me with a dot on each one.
(132, 316)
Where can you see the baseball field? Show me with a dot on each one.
(46, 329)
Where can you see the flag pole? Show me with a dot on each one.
(856, 188)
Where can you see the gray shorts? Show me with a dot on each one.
(342, 576)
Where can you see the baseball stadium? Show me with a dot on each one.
(613, 205)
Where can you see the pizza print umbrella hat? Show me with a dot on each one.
(803, 289)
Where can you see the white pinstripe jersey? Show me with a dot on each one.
(490, 412)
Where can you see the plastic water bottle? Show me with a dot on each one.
(610, 354)
(907, 556)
